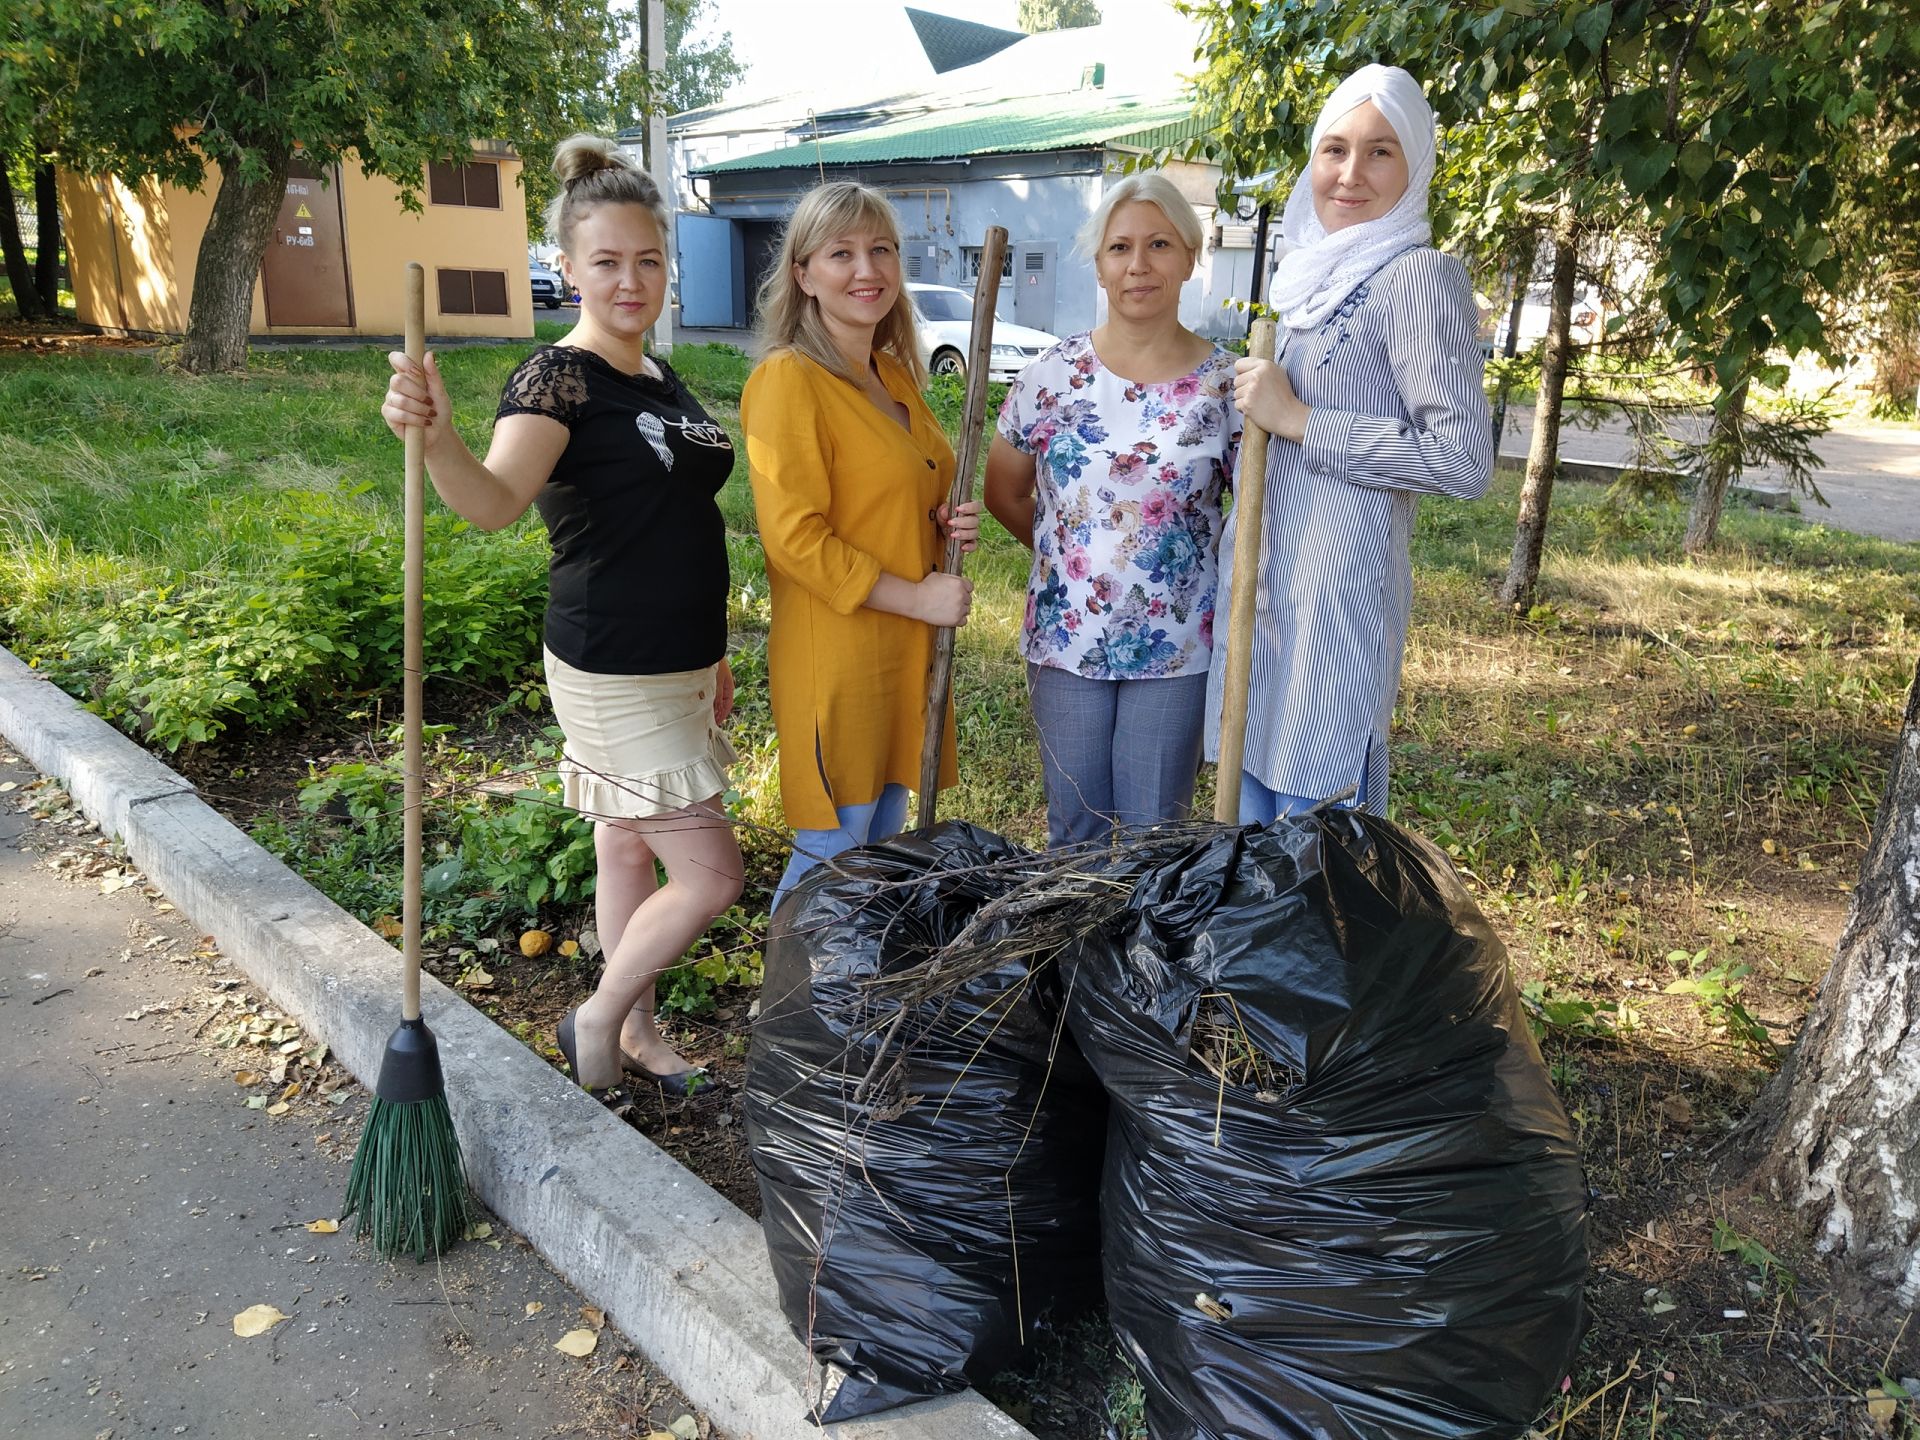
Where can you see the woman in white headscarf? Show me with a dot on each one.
(1374, 401)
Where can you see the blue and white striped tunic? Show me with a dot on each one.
(1393, 382)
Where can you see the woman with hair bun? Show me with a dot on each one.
(1113, 450)
(625, 467)
(850, 476)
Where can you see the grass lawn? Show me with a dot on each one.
(1665, 772)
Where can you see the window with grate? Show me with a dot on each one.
(473, 292)
(476, 184)
(970, 263)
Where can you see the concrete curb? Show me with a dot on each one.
(677, 1267)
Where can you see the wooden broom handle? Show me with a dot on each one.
(413, 603)
(1249, 506)
(973, 415)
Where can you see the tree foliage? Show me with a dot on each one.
(1037, 16)
(166, 88)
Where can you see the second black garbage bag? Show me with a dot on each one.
(928, 1169)
(1342, 1198)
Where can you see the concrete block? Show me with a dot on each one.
(675, 1265)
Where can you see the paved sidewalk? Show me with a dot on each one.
(1871, 480)
(144, 1204)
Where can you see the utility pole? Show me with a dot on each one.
(660, 160)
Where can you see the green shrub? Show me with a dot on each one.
(179, 665)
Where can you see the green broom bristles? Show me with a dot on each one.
(407, 1184)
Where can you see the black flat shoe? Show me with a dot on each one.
(569, 1050)
(680, 1085)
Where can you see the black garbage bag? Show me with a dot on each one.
(1341, 1196)
(921, 1215)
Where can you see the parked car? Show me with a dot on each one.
(1583, 326)
(548, 288)
(946, 325)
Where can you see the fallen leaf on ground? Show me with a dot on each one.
(594, 1316)
(387, 927)
(323, 1227)
(474, 978)
(1881, 1408)
(534, 1307)
(256, 1320)
(256, 1102)
(279, 1107)
(577, 1343)
(685, 1428)
(1678, 1110)
(245, 1077)
(480, 1231)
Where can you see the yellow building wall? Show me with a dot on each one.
(120, 250)
(133, 253)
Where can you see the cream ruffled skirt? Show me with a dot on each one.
(637, 745)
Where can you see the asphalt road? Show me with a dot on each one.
(144, 1204)
(1871, 477)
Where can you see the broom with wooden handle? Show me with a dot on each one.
(1249, 508)
(986, 290)
(407, 1184)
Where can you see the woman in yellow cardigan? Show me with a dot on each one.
(850, 475)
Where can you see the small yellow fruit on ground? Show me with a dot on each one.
(534, 943)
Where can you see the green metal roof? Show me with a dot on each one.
(1051, 122)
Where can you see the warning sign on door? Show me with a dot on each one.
(303, 212)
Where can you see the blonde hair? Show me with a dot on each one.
(595, 171)
(790, 318)
(1152, 188)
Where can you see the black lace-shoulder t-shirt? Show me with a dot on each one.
(638, 582)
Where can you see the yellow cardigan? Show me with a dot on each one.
(843, 493)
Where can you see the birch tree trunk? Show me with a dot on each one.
(1543, 459)
(1724, 451)
(228, 265)
(1837, 1133)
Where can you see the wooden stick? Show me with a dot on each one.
(413, 604)
(986, 290)
(1249, 506)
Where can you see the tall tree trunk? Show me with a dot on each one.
(26, 297)
(1725, 453)
(46, 202)
(228, 264)
(1516, 303)
(1837, 1133)
(1536, 493)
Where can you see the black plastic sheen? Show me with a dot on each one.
(1392, 1242)
(919, 1230)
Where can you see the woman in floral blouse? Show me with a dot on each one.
(1113, 449)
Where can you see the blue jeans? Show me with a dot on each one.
(1115, 752)
(859, 825)
(1261, 806)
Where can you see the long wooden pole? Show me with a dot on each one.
(1249, 508)
(973, 416)
(412, 604)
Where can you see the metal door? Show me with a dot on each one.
(305, 270)
(713, 288)
(1033, 266)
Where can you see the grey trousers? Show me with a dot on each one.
(1115, 752)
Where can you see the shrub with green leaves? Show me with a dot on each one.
(179, 665)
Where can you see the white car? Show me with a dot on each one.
(946, 325)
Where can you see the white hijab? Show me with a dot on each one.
(1321, 269)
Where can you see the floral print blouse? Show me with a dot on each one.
(1126, 526)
